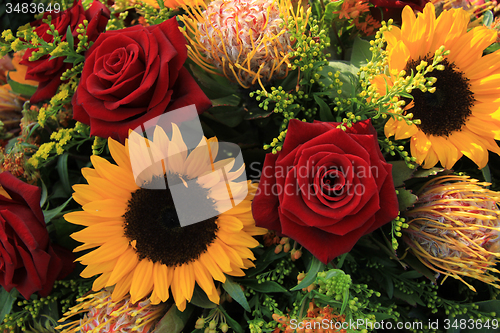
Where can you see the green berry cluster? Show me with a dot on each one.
(397, 224)
(29, 311)
(308, 59)
(260, 326)
(334, 283)
(152, 15)
(391, 147)
(283, 269)
(26, 313)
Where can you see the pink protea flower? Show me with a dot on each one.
(454, 228)
(246, 40)
(101, 314)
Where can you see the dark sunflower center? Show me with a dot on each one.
(152, 221)
(447, 109)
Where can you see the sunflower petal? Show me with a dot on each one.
(124, 265)
(162, 277)
(142, 282)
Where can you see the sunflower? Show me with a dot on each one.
(462, 116)
(141, 247)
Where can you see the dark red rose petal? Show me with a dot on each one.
(320, 160)
(132, 76)
(27, 259)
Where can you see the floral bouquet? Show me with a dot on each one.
(250, 166)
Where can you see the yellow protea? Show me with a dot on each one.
(454, 228)
(102, 314)
(246, 40)
(462, 116)
(141, 247)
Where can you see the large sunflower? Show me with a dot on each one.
(462, 117)
(140, 246)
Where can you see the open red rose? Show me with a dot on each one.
(28, 261)
(384, 10)
(133, 75)
(48, 72)
(326, 188)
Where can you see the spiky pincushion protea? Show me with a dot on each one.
(102, 314)
(454, 228)
(246, 40)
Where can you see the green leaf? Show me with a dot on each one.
(254, 112)
(231, 322)
(388, 285)
(160, 3)
(400, 172)
(174, 321)
(340, 263)
(345, 300)
(486, 173)
(7, 299)
(214, 86)
(361, 53)
(492, 48)
(383, 316)
(411, 275)
(405, 94)
(234, 290)
(21, 88)
(43, 197)
(406, 199)
(310, 277)
(417, 265)
(424, 173)
(265, 260)
(200, 299)
(231, 100)
(489, 306)
(69, 38)
(412, 299)
(64, 230)
(331, 7)
(50, 214)
(230, 116)
(264, 287)
(325, 113)
(62, 170)
(348, 75)
(487, 18)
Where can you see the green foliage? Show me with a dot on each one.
(307, 60)
(37, 313)
(174, 320)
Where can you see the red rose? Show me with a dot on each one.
(326, 188)
(133, 75)
(387, 9)
(28, 261)
(48, 72)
